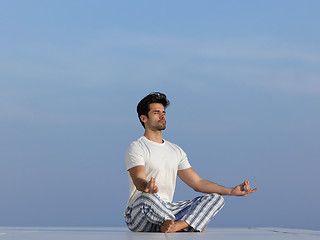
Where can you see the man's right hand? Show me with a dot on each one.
(151, 186)
(139, 178)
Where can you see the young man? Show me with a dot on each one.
(153, 165)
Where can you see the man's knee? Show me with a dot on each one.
(147, 201)
(149, 197)
(214, 198)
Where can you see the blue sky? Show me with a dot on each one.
(243, 79)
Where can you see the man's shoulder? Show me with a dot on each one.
(137, 141)
(136, 144)
(135, 154)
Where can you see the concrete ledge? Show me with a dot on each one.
(106, 233)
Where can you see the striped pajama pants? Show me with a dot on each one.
(148, 212)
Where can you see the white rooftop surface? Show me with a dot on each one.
(60, 233)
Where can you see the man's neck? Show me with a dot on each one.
(154, 136)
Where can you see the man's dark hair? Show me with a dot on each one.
(143, 107)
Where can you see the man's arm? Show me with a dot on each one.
(193, 180)
(138, 175)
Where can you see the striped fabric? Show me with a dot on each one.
(148, 212)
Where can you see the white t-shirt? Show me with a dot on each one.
(161, 161)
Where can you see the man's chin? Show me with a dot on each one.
(162, 128)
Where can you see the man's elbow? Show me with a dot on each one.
(196, 188)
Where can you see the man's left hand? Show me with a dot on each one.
(243, 189)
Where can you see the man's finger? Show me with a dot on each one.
(242, 186)
(247, 185)
(147, 189)
(252, 190)
(152, 184)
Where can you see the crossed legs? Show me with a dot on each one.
(150, 214)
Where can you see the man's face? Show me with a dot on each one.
(156, 119)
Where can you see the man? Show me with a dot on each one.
(153, 164)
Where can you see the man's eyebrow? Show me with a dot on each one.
(158, 111)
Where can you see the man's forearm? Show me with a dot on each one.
(140, 184)
(206, 186)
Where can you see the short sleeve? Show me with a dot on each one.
(184, 162)
(134, 156)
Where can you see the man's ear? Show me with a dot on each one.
(143, 118)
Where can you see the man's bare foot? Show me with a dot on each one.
(171, 226)
(167, 226)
